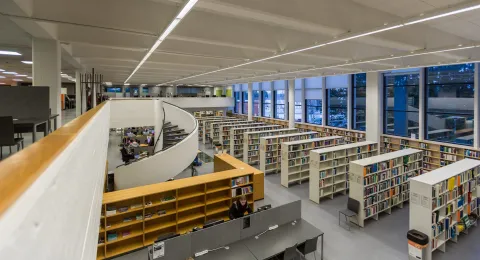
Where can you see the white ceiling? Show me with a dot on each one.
(112, 36)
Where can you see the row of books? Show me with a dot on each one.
(253, 153)
(448, 156)
(298, 154)
(271, 160)
(113, 210)
(448, 149)
(298, 161)
(472, 153)
(240, 180)
(242, 191)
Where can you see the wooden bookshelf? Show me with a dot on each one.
(270, 149)
(251, 143)
(435, 154)
(215, 128)
(442, 200)
(381, 182)
(134, 218)
(210, 113)
(237, 134)
(295, 162)
(206, 126)
(329, 168)
(224, 135)
(223, 162)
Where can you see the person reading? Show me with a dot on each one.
(239, 207)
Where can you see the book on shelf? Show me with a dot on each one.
(241, 191)
(111, 210)
(240, 180)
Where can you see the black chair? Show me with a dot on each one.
(291, 253)
(353, 206)
(310, 246)
(7, 134)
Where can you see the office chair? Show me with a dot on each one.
(310, 246)
(353, 207)
(7, 135)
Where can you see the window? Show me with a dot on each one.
(245, 103)
(256, 103)
(337, 107)
(401, 104)
(267, 103)
(359, 101)
(449, 111)
(314, 111)
(238, 102)
(280, 104)
(298, 111)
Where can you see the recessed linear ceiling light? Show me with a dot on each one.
(1, 70)
(29, 78)
(367, 61)
(21, 75)
(2, 77)
(17, 79)
(9, 72)
(185, 9)
(27, 62)
(402, 24)
(10, 53)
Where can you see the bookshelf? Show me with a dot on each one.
(351, 136)
(270, 149)
(295, 160)
(134, 218)
(381, 182)
(329, 168)
(200, 124)
(207, 124)
(215, 128)
(251, 143)
(237, 134)
(210, 113)
(436, 154)
(442, 200)
(224, 135)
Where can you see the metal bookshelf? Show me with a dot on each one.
(251, 143)
(237, 134)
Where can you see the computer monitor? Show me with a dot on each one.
(166, 236)
(213, 222)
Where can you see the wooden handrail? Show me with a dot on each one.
(19, 171)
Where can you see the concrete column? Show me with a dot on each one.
(155, 91)
(291, 102)
(78, 94)
(94, 93)
(46, 70)
(175, 90)
(140, 91)
(286, 101)
(374, 106)
(272, 98)
(476, 105)
(421, 105)
(349, 102)
(302, 97)
(324, 101)
(84, 98)
(250, 101)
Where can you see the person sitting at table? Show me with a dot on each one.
(239, 207)
(134, 144)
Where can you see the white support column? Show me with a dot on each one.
(349, 102)
(140, 91)
(94, 93)
(476, 110)
(291, 102)
(374, 106)
(324, 101)
(302, 97)
(250, 101)
(421, 105)
(46, 71)
(286, 101)
(272, 98)
(84, 98)
(78, 94)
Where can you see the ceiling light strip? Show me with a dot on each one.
(185, 10)
(402, 24)
(355, 63)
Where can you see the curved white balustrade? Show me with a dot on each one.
(164, 164)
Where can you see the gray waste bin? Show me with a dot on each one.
(417, 245)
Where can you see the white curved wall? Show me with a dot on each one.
(167, 164)
(192, 102)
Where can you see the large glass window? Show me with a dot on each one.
(401, 104)
(245, 103)
(359, 101)
(256, 103)
(280, 104)
(298, 111)
(314, 111)
(267, 103)
(112, 89)
(449, 111)
(238, 102)
(337, 107)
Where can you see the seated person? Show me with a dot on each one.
(239, 207)
(135, 144)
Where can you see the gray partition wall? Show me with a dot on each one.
(25, 102)
(216, 236)
(280, 215)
